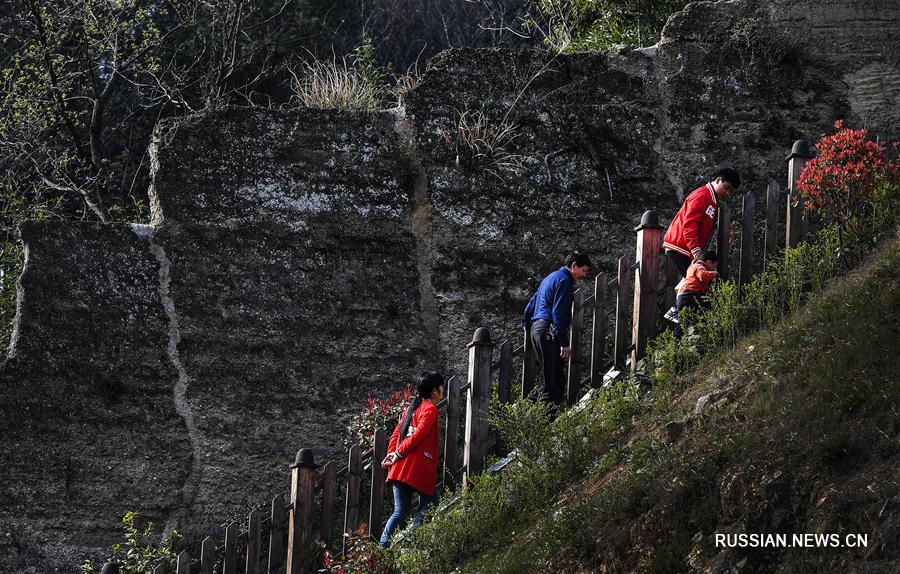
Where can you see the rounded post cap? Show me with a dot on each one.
(304, 459)
(482, 337)
(800, 149)
(649, 221)
(110, 568)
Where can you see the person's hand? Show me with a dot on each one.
(390, 459)
(565, 352)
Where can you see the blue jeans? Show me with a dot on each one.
(402, 505)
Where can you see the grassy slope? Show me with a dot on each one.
(805, 438)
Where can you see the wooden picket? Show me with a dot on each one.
(354, 478)
(722, 241)
(623, 294)
(254, 537)
(598, 336)
(451, 437)
(277, 534)
(376, 495)
(229, 562)
(573, 384)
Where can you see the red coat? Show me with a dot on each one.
(690, 230)
(698, 278)
(418, 464)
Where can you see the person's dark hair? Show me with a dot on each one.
(426, 383)
(578, 257)
(709, 256)
(730, 175)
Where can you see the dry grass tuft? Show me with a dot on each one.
(334, 84)
(483, 144)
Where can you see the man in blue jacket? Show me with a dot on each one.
(547, 317)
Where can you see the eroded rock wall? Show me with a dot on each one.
(299, 260)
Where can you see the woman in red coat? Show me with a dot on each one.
(412, 454)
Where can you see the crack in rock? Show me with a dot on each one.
(182, 407)
(421, 229)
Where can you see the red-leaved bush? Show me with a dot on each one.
(362, 556)
(842, 180)
(377, 414)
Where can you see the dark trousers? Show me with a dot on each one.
(546, 349)
(681, 261)
(686, 300)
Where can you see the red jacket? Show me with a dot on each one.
(693, 224)
(698, 278)
(418, 451)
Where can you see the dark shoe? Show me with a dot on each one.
(672, 315)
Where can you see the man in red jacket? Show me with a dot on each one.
(690, 230)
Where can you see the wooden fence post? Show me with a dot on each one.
(376, 497)
(574, 376)
(506, 364)
(277, 532)
(160, 569)
(184, 563)
(646, 284)
(207, 555)
(800, 154)
(723, 239)
(253, 542)
(303, 492)
(773, 195)
(329, 489)
(745, 272)
(351, 506)
(478, 398)
(528, 371)
(229, 561)
(623, 296)
(598, 337)
(451, 436)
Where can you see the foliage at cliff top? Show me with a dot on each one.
(591, 25)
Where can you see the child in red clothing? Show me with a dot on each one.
(699, 275)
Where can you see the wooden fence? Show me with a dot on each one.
(630, 299)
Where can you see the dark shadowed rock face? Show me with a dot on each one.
(299, 260)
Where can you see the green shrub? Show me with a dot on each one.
(590, 25)
(142, 552)
(551, 453)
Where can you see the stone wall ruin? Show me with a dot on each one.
(298, 260)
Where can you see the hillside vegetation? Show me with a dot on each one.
(792, 431)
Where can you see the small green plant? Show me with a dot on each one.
(524, 425)
(142, 552)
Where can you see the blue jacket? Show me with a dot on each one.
(553, 302)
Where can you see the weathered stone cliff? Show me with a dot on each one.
(299, 260)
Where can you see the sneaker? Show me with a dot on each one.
(672, 315)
